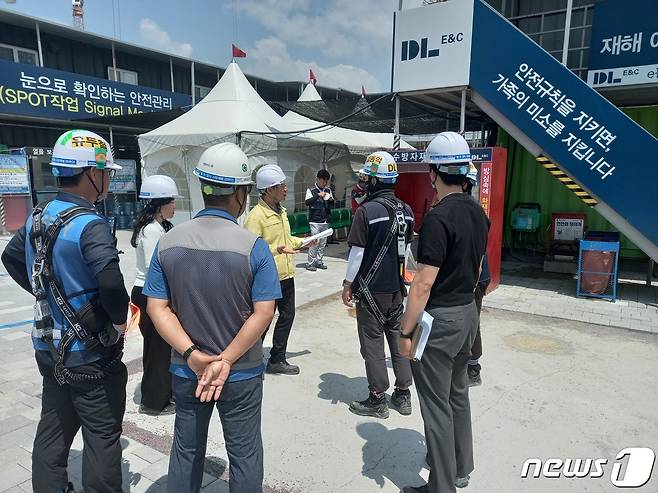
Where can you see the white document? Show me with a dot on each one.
(324, 234)
(421, 335)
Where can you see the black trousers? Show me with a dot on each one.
(480, 290)
(98, 408)
(286, 307)
(156, 356)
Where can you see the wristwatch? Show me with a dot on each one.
(346, 283)
(410, 335)
(189, 351)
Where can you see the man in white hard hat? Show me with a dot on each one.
(65, 256)
(269, 220)
(453, 240)
(211, 291)
(381, 231)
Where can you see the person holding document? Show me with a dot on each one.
(453, 240)
(381, 232)
(269, 220)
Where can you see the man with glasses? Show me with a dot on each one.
(269, 220)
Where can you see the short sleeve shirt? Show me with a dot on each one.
(453, 238)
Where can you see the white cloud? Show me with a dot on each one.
(269, 58)
(336, 28)
(158, 38)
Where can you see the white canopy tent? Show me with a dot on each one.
(232, 106)
(233, 111)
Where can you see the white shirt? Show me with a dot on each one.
(146, 242)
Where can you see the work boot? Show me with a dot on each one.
(416, 489)
(282, 368)
(311, 267)
(462, 482)
(372, 406)
(169, 409)
(474, 378)
(401, 401)
(320, 265)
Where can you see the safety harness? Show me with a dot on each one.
(397, 229)
(43, 281)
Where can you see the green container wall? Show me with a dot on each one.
(527, 181)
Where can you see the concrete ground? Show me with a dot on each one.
(552, 388)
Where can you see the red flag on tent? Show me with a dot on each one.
(363, 91)
(237, 52)
(311, 77)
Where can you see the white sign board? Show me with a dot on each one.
(623, 76)
(432, 46)
(569, 229)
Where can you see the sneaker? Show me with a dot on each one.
(321, 266)
(401, 401)
(474, 378)
(372, 406)
(311, 267)
(462, 482)
(169, 409)
(282, 368)
(68, 489)
(416, 489)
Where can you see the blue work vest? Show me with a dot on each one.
(75, 279)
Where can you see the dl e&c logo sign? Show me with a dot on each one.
(411, 48)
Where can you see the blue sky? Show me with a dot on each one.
(346, 42)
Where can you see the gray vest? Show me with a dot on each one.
(206, 263)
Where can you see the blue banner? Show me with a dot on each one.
(44, 92)
(13, 174)
(591, 140)
(624, 34)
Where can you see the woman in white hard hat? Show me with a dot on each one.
(160, 193)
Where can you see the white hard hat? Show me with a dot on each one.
(472, 175)
(224, 164)
(79, 149)
(158, 187)
(381, 165)
(268, 176)
(449, 152)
